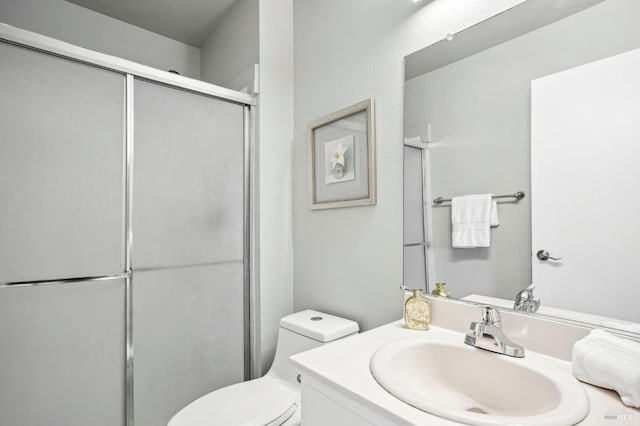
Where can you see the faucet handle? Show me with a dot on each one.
(491, 315)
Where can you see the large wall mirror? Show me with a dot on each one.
(544, 100)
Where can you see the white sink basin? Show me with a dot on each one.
(469, 385)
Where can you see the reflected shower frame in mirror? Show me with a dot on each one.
(508, 25)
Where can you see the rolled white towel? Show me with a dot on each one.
(611, 362)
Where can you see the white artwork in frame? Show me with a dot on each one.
(342, 158)
(339, 160)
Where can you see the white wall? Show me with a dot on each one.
(275, 106)
(349, 261)
(83, 27)
(231, 51)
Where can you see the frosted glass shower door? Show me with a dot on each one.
(187, 248)
(416, 244)
(62, 344)
(62, 355)
(61, 168)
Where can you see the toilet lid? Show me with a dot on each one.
(260, 402)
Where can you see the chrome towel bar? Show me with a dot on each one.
(518, 196)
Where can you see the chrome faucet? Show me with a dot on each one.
(525, 300)
(488, 335)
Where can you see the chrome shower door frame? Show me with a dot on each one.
(130, 71)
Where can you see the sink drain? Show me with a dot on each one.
(477, 410)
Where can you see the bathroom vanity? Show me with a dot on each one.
(338, 387)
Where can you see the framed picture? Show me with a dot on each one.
(342, 158)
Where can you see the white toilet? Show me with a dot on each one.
(272, 400)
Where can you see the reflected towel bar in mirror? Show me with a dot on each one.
(518, 196)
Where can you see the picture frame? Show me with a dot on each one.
(342, 158)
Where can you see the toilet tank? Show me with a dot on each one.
(303, 331)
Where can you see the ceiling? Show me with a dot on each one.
(188, 21)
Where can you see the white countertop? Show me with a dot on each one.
(344, 366)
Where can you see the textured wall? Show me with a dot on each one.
(275, 107)
(349, 261)
(231, 51)
(76, 25)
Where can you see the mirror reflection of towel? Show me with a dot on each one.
(471, 218)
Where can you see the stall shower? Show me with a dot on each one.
(124, 238)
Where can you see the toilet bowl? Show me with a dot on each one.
(274, 399)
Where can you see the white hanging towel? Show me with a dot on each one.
(611, 362)
(471, 218)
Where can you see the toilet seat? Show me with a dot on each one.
(259, 402)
